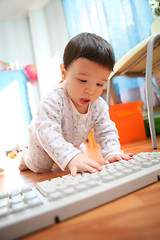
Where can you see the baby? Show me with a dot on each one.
(68, 113)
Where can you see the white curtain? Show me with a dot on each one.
(15, 42)
(49, 37)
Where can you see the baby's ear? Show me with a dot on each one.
(63, 72)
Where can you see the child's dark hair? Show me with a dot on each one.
(89, 46)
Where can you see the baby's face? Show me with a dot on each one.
(85, 82)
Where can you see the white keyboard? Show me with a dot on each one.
(26, 210)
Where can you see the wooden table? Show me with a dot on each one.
(135, 216)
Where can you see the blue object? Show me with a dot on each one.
(6, 78)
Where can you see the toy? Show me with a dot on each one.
(31, 72)
(12, 154)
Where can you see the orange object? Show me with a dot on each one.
(1, 170)
(91, 139)
(129, 121)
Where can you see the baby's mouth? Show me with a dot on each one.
(84, 100)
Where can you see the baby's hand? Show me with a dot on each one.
(80, 163)
(118, 157)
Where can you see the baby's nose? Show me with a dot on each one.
(89, 90)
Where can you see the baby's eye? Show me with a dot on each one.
(99, 85)
(83, 81)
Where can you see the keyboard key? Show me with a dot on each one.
(92, 183)
(128, 171)
(16, 199)
(69, 191)
(29, 195)
(3, 195)
(134, 162)
(137, 158)
(155, 161)
(4, 211)
(108, 178)
(118, 165)
(15, 192)
(26, 189)
(81, 187)
(74, 182)
(46, 187)
(61, 186)
(118, 174)
(67, 178)
(156, 157)
(95, 176)
(136, 168)
(55, 195)
(146, 164)
(34, 202)
(4, 202)
(103, 172)
(18, 207)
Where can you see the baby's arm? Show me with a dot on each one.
(81, 163)
(106, 135)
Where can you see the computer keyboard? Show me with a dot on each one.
(24, 211)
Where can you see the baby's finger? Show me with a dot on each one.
(73, 171)
(126, 156)
(130, 154)
(106, 162)
(114, 158)
(87, 168)
(94, 164)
